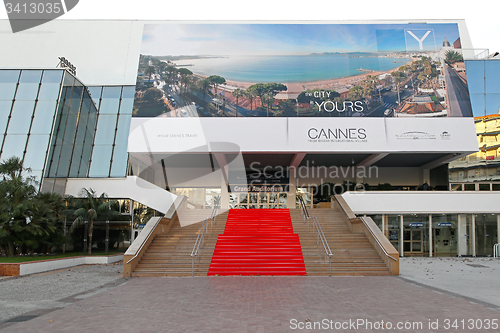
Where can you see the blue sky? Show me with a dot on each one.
(277, 39)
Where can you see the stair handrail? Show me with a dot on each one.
(376, 239)
(305, 213)
(496, 250)
(324, 242)
(199, 242)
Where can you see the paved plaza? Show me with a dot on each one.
(427, 297)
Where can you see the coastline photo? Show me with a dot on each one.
(301, 70)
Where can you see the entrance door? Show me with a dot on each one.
(413, 242)
(444, 242)
(258, 200)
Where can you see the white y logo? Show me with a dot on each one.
(420, 41)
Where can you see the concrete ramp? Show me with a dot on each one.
(131, 187)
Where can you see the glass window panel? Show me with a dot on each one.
(52, 76)
(7, 91)
(5, 107)
(82, 129)
(492, 73)
(493, 102)
(27, 91)
(20, 119)
(75, 161)
(478, 104)
(101, 160)
(95, 93)
(119, 165)
(475, 75)
(109, 106)
(14, 146)
(69, 80)
(128, 92)
(123, 129)
(63, 166)
(53, 160)
(49, 91)
(36, 151)
(30, 76)
(76, 99)
(44, 117)
(84, 164)
(127, 106)
(105, 133)
(9, 76)
(112, 92)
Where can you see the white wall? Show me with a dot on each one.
(398, 202)
(169, 135)
(131, 187)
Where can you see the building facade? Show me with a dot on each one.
(151, 142)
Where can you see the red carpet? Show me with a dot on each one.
(258, 242)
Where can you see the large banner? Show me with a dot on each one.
(301, 70)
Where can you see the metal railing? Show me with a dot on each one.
(376, 239)
(304, 211)
(320, 235)
(496, 250)
(200, 240)
(326, 248)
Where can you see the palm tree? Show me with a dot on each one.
(452, 57)
(250, 95)
(25, 219)
(90, 207)
(238, 93)
(149, 71)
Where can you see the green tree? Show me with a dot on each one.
(452, 57)
(250, 95)
(153, 95)
(215, 81)
(185, 77)
(23, 216)
(150, 70)
(237, 93)
(91, 207)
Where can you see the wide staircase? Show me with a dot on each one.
(353, 254)
(170, 253)
(261, 242)
(258, 242)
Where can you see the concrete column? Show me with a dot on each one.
(132, 221)
(459, 235)
(473, 235)
(292, 190)
(430, 235)
(498, 228)
(401, 232)
(224, 193)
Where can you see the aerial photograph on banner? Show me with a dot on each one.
(301, 70)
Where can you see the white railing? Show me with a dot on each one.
(496, 250)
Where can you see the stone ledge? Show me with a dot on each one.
(32, 267)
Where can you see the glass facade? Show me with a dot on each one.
(450, 235)
(114, 104)
(62, 129)
(484, 87)
(28, 102)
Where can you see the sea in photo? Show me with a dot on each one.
(291, 68)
